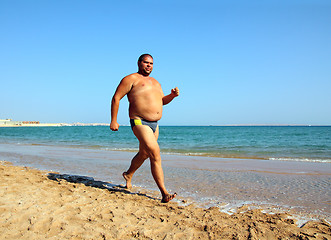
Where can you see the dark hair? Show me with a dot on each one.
(143, 56)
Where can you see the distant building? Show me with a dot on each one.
(10, 122)
(30, 122)
(4, 121)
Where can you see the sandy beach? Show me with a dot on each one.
(38, 204)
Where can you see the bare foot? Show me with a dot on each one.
(128, 180)
(168, 198)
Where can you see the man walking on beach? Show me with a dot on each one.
(146, 99)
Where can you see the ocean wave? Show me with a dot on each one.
(301, 160)
(179, 152)
(121, 149)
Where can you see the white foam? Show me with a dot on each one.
(301, 160)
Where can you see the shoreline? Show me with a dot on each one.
(300, 188)
(35, 206)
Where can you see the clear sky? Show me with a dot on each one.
(235, 62)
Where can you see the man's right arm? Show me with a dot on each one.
(123, 88)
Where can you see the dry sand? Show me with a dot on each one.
(41, 205)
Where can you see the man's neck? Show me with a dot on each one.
(143, 74)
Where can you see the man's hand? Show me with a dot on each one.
(175, 91)
(114, 126)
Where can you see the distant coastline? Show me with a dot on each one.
(57, 125)
(11, 123)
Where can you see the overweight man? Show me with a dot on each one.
(146, 100)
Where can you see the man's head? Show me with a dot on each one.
(145, 64)
(143, 56)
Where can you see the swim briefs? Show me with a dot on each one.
(151, 124)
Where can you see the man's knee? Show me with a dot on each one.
(154, 153)
(143, 154)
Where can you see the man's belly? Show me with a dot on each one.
(150, 112)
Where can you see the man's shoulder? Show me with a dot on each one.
(130, 78)
(132, 75)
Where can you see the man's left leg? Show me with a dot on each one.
(149, 142)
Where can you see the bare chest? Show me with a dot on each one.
(145, 89)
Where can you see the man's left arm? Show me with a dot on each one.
(174, 93)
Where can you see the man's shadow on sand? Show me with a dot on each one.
(90, 182)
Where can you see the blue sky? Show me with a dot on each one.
(235, 62)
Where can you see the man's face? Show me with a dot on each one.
(146, 66)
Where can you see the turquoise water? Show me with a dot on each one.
(287, 167)
(271, 143)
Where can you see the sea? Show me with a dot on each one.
(285, 168)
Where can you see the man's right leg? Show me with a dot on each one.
(136, 162)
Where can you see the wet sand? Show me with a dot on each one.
(302, 188)
(38, 204)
